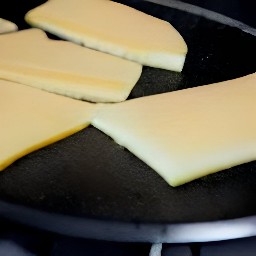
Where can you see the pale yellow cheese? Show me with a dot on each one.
(30, 58)
(113, 28)
(187, 134)
(7, 26)
(31, 119)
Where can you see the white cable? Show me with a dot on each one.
(155, 250)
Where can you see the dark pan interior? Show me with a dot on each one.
(89, 176)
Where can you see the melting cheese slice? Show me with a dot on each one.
(31, 119)
(7, 26)
(187, 134)
(30, 58)
(113, 28)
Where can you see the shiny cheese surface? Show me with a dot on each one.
(30, 58)
(31, 119)
(113, 28)
(187, 134)
(7, 26)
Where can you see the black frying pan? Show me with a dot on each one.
(86, 185)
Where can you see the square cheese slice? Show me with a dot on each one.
(187, 134)
(30, 58)
(32, 118)
(113, 28)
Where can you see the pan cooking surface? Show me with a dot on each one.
(89, 176)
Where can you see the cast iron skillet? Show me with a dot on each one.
(88, 186)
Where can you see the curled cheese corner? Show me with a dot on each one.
(187, 134)
(7, 26)
(118, 30)
(32, 119)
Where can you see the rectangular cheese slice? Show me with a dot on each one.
(113, 28)
(31, 119)
(7, 26)
(30, 58)
(187, 134)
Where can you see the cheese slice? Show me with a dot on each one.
(30, 58)
(31, 119)
(187, 134)
(7, 26)
(113, 28)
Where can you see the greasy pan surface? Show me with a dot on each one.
(88, 176)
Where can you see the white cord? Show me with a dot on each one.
(155, 250)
